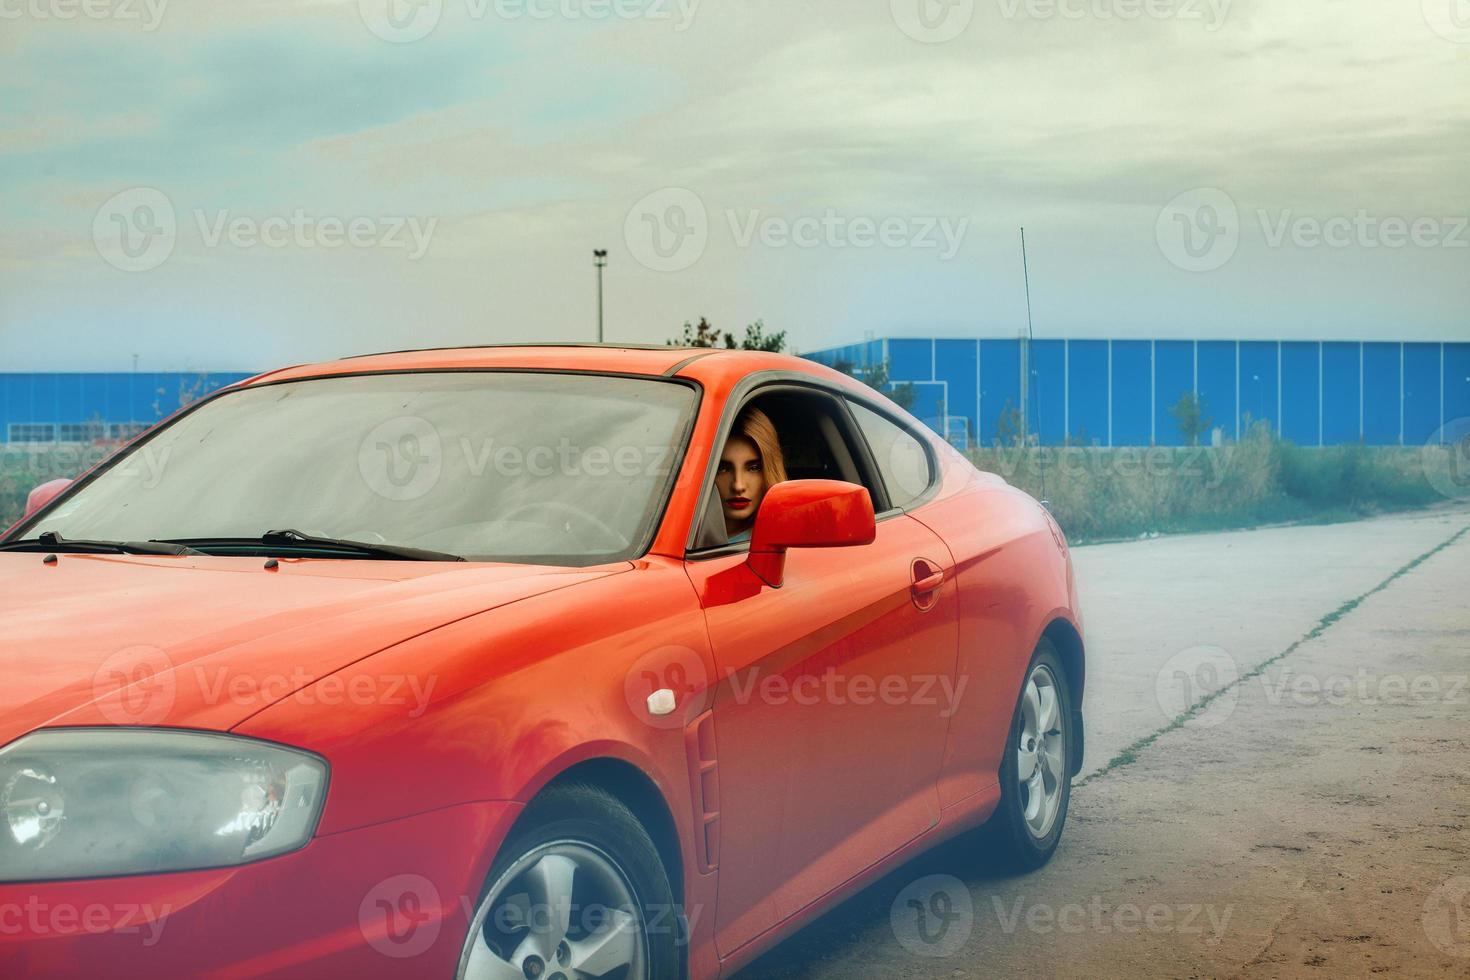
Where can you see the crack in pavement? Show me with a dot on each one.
(1271, 938)
(1129, 755)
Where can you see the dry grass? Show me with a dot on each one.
(1104, 494)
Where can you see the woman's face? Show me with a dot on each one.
(741, 482)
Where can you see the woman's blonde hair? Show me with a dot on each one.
(756, 426)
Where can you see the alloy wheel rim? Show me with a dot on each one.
(1041, 752)
(563, 911)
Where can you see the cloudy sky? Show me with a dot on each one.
(234, 184)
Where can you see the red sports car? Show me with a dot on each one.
(505, 663)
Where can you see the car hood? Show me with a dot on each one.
(204, 642)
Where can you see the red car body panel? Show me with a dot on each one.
(797, 751)
(785, 780)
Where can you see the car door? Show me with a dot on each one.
(833, 701)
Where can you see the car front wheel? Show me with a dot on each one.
(578, 894)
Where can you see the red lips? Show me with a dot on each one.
(738, 503)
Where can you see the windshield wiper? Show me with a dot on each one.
(334, 547)
(50, 541)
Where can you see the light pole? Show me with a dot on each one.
(599, 257)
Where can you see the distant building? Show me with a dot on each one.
(1120, 392)
(1086, 392)
(85, 408)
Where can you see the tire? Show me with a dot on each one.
(1021, 844)
(619, 886)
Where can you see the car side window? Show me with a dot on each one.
(816, 444)
(902, 460)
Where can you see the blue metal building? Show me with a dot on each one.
(1088, 392)
(1120, 392)
(82, 408)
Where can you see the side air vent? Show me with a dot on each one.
(704, 790)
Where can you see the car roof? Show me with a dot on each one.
(633, 359)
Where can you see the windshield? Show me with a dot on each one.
(492, 466)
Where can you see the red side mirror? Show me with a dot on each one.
(808, 514)
(44, 494)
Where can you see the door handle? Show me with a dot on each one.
(927, 579)
(929, 583)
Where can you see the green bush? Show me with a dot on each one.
(1355, 477)
(12, 499)
(23, 468)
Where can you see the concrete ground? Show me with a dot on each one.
(1311, 821)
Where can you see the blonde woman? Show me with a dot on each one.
(751, 464)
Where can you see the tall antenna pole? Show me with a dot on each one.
(599, 256)
(1030, 360)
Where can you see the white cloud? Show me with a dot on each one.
(1081, 128)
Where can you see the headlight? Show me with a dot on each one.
(89, 803)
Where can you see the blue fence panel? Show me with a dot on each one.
(14, 396)
(182, 388)
(1000, 386)
(119, 401)
(1173, 379)
(45, 398)
(1049, 391)
(957, 364)
(1259, 383)
(871, 353)
(1342, 407)
(1381, 369)
(928, 404)
(853, 357)
(67, 398)
(1422, 380)
(1313, 393)
(911, 360)
(1456, 382)
(1217, 384)
(1301, 398)
(73, 398)
(94, 398)
(143, 396)
(1132, 379)
(1087, 392)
